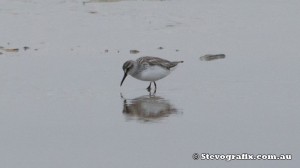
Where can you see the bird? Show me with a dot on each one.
(148, 68)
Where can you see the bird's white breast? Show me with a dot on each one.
(153, 73)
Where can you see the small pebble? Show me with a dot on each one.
(93, 12)
(11, 49)
(210, 57)
(134, 51)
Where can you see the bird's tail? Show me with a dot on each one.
(177, 62)
(174, 64)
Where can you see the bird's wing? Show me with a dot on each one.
(156, 61)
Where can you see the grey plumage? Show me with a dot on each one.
(157, 61)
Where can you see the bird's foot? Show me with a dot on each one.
(148, 88)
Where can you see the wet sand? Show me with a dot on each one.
(62, 106)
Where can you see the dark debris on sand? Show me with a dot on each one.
(134, 51)
(210, 57)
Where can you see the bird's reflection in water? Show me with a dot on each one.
(148, 108)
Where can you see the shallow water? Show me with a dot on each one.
(92, 1)
(148, 108)
(62, 106)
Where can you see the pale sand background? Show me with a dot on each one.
(60, 99)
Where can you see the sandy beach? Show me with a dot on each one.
(61, 66)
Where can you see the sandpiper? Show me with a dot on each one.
(148, 69)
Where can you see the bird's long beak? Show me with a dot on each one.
(125, 74)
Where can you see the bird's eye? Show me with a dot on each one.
(129, 67)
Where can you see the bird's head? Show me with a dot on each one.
(127, 66)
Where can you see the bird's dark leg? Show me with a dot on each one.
(149, 87)
(155, 87)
